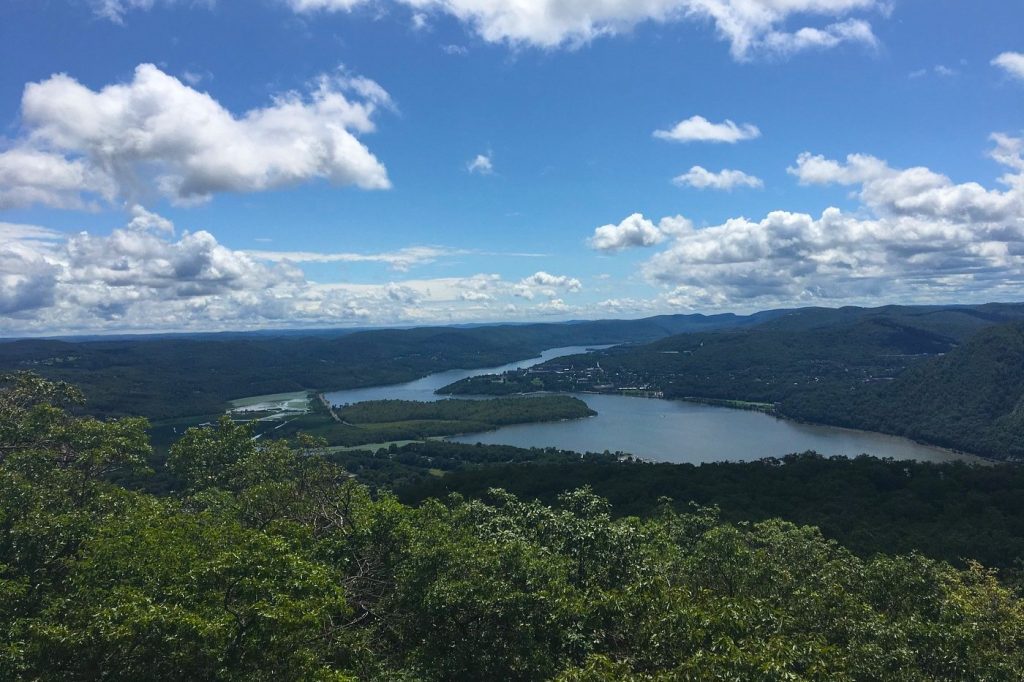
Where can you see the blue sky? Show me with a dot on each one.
(292, 163)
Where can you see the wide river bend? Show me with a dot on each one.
(661, 430)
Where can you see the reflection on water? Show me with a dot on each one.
(662, 430)
(673, 431)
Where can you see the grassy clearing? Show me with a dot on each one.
(273, 406)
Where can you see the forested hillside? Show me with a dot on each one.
(972, 398)
(953, 376)
(270, 563)
(166, 377)
(950, 511)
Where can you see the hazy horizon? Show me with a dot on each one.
(296, 330)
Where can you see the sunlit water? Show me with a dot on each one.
(662, 430)
(423, 389)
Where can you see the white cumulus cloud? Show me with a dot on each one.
(637, 231)
(700, 129)
(917, 235)
(548, 281)
(30, 176)
(749, 26)
(920, 192)
(156, 134)
(850, 31)
(144, 220)
(142, 277)
(726, 179)
(1012, 63)
(28, 274)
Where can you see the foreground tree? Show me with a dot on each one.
(270, 563)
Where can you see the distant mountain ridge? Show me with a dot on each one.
(965, 393)
(971, 398)
(175, 376)
(948, 375)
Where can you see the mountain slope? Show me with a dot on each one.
(951, 376)
(972, 398)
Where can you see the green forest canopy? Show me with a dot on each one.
(385, 421)
(271, 563)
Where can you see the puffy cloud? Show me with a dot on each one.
(1009, 152)
(547, 285)
(402, 294)
(920, 192)
(813, 169)
(851, 31)
(137, 277)
(28, 278)
(141, 277)
(156, 133)
(1012, 63)
(143, 220)
(195, 265)
(482, 165)
(26, 282)
(750, 26)
(548, 281)
(699, 129)
(30, 176)
(554, 306)
(636, 230)
(917, 236)
(629, 306)
(726, 179)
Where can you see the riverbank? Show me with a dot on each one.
(766, 408)
(367, 423)
(771, 410)
(655, 430)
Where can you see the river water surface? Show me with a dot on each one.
(661, 430)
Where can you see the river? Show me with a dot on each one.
(661, 430)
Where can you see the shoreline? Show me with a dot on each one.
(732, 404)
(966, 457)
(773, 412)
